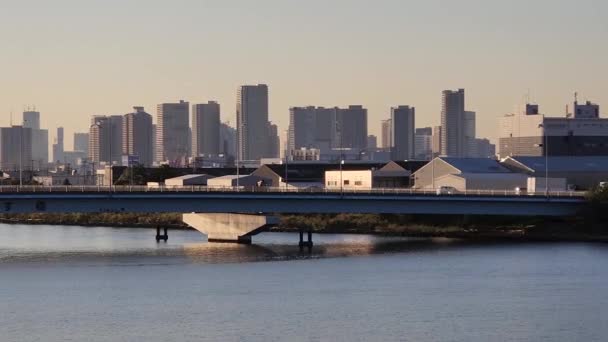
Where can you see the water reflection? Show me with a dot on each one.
(123, 246)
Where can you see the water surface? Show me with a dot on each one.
(104, 284)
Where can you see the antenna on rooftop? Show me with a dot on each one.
(575, 97)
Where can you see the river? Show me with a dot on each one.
(104, 284)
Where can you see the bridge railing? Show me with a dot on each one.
(266, 189)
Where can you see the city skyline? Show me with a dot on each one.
(102, 68)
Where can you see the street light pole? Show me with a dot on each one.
(545, 146)
(21, 155)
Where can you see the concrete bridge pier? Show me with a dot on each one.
(233, 228)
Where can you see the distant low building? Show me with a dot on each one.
(187, 180)
(580, 172)
(467, 174)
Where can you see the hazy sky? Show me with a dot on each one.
(76, 58)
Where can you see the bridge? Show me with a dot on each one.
(244, 211)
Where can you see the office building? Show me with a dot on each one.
(423, 143)
(436, 141)
(172, 133)
(40, 139)
(58, 147)
(470, 142)
(351, 128)
(526, 134)
(81, 142)
(206, 129)
(227, 139)
(16, 148)
(587, 110)
(137, 140)
(105, 139)
(452, 124)
(403, 132)
(387, 135)
(312, 127)
(253, 142)
(274, 143)
(31, 119)
(372, 142)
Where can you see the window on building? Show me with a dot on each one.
(346, 182)
(358, 183)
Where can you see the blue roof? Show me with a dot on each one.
(476, 165)
(566, 163)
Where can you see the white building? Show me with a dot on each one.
(467, 174)
(187, 180)
(234, 180)
(524, 134)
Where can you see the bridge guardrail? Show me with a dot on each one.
(264, 189)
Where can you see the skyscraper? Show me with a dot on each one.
(58, 147)
(387, 136)
(172, 133)
(311, 127)
(403, 132)
(452, 124)
(352, 127)
(81, 142)
(252, 122)
(424, 143)
(470, 134)
(137, 136)
(372, 142)
(105, 139)
(31, 119)
(206, 129)
(16, 148)
(436, 141)
(227, 139)
(274, 143)
(40, 138)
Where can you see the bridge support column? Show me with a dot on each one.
(234, 228)
(305, 243)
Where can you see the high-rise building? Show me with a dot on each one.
(81, 142)
(424, 143)
(137, 140)
(227, 139)
(452, 124)
(273, 141)
(105, 139)
(40, 139)
(58, 147)
(206, 129)
(436, 141)
(253, 142)
(16, 148)
(372, 142)
(470, 134)
(403, 120)
(172, 133)
(154, 140)
(351, 128)
(31, 119)
(387, 135)
(311, 127)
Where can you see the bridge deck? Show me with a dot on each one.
(281, 200)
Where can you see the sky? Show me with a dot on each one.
(77, 58)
